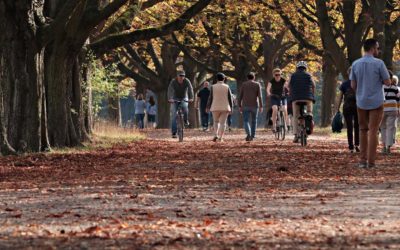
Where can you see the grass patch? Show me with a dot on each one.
(105, 135)
(327, 131)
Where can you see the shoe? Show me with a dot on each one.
(296, 139)
(362, 165)
(357, 149)
(371, 165)
(220, 139)
(215, 138)
(229, 129)
(388, 150)
(174, 136)
(187, 124)
(351, 150)
(205, 129)
(273, 131)
(384, 150)
(248, 138)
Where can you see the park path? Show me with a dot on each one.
(161, 194)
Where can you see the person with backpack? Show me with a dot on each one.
(390, 113)
(348, 95)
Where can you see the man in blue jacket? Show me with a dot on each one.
(302, 89)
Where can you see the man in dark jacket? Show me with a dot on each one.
(202, 100)
(180, 89)
(302, 89)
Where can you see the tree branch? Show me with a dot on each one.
(117, 40)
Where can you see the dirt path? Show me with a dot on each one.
(159, 194)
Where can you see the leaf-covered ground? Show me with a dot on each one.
(161, 194)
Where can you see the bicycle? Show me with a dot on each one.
(180, 120)
(281, 128)
(302, 129)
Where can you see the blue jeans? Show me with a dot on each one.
(250, 128)
(140, 120)
(185, 107)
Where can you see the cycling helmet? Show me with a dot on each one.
(301, 64)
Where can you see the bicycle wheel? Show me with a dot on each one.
(282, 125)
(303, 137)
(277, 127)
(180, 125)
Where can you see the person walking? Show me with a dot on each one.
(202, 99)
(180, 89)
(390, 113)
(302, 90)
(140, 107)
(151, 112)
(250, 103)
(367, 75)
(348, 95)
(220, 104)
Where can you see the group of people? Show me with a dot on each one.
(370, 104)
(141, 108)
(219, 100)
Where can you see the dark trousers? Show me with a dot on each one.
(204, 116)
(353, 134)
(229, 120)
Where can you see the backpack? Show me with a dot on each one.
(337, 123)
(349, 98)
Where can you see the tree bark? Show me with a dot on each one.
(163, 109)
(21, 72)
(329, 87)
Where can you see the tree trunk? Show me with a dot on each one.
(163, 111)
(21, 72)
(58, 105)
(329, 88)
(114, 110)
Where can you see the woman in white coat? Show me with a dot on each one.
(220, 103)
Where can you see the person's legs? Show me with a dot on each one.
(246, 124)
(254, 114)
(185, 107)
(222, 122)
(141, 121)
(391, 127)
(216, 115)
(204, 118)
(348, 117)
(356, 129)
(274, 116)
(173, 120)
(363, 123)
(384, 130)
(374, 121)
(296, 113)
(309, 107)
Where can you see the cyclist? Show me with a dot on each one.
(302, 89)
(180, 89)
(275, 89)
